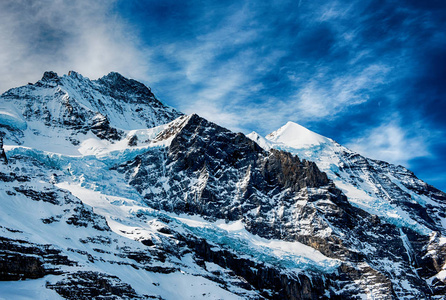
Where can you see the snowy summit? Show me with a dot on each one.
(297, 136)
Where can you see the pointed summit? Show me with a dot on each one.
(50, 79)
(113, 76)
(296, 136)
(119, 86)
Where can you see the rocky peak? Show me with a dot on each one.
(213, 172)
(50, 76)
(114, 77)
(233, 174)
(49, 79)
(75, 75)
(118, 86)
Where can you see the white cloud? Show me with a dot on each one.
(63, 35)
(392, 143)
(324, 97)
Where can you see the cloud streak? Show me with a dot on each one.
(391, 142)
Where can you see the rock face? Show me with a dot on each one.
(223, 173)
(210, 171)
(23, 260)
(156, 204)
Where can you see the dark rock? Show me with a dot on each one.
(83, 217)
(147, 242)
(50, 76)
(133, 141)
(3, 158)
(50, 197)
(20, 260)
(85, 285)
(100, 126)
(222, 175)
(262, 277)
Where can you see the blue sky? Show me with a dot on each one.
(369, 74)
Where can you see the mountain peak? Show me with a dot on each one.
(75, 74)
(50, 76)
(295, 135)
(113, 76)
(72, 102)
(119, 83)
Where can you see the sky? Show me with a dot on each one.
(369, 74)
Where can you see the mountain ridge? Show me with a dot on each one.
(335, 159)
(94, 207)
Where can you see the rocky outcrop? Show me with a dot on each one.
(3, 158)
(93, 285)
(21, 260)
(100, 126)
(271, 281)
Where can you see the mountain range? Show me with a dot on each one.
(107, 193)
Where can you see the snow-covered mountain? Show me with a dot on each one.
(391, 192)
(106, 193)
(63, 111)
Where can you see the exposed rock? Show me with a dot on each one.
(93, 285)
(222, 175)
(3, 158)
(20, 260)
(274, 283)
(100, 126)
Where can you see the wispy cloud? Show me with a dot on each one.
(331, 95)
(83, 35)
(300, 69)
(393, 143)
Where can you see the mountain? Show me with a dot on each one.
(65, 110)
(106, 193)
(391, 192)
